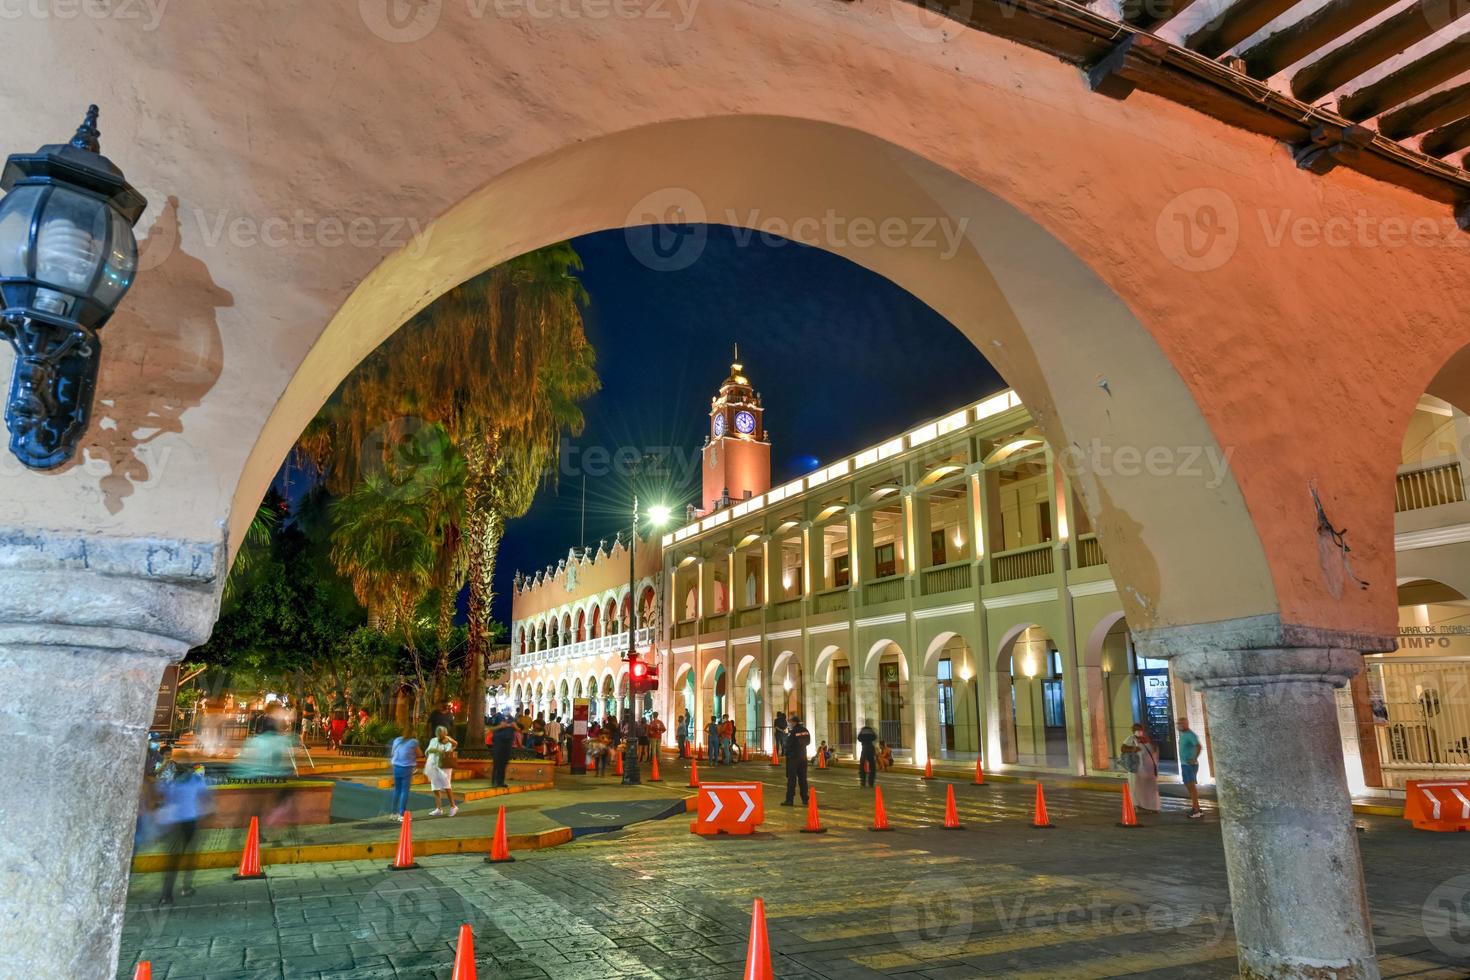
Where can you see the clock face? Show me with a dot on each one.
(720, 424)
(744, 422)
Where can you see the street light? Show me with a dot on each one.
(67, 257)
(658, 514)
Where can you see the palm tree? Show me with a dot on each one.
(255, 546)
(500, 363)
(436, 479)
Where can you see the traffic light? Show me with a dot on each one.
(642, 676)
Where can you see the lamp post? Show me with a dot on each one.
(67, 257)
(657, 515)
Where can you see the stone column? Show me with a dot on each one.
(1296, 877)
(86, 629)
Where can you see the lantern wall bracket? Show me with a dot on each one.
(51, 388)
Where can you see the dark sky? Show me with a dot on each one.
(842, 358)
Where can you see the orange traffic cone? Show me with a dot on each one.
(951, 815)
(464, 954)
(929, 769)
(821, 760)
(250, 860)
(499, 849)
(653, 776)
(1040, 820)
(813, 821)
(693, 773)
(880, 816)
(701, 752)
(979, 773)
(619, 770)
(403, 860)
(144, 971)
(758, 953)
(775, 759)
(1130, 816)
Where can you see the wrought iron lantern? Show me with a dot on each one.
(67, 256)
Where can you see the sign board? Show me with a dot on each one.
(163, 707)
(578, 758)
(1438, 804)
(729, 808)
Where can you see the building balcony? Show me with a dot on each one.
(612, 643)
(830, 601)
(890, 589)
(1431, 484)
(786, 611)
(953, 577)
(1018, 563)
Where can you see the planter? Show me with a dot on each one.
(306, 802)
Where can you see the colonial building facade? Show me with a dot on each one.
(945, 587)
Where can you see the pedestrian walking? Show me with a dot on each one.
(712, 735)
(439, 768)
(404, 756)
(868, 754)
(797, 740)
(186, 798)
(1141, 759)
(502, 739)
(553, 735)
(1189, 750)
(779, 742)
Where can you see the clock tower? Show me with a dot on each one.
(737, 454)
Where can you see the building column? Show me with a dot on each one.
(1296, 877)
(87, 627)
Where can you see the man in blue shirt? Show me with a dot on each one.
(404, 754)
(185, 800)
(1189, 749)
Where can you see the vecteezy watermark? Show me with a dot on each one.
(1201, 229)
(1100, 918)
(401, 908)
(665, 230)
(406, 21)
(677, 465)
(299, 229)
(1446, 917)
(148, 14)
(933, 914)
(1097, 458)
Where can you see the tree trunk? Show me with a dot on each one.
(485, 528)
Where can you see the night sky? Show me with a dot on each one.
(842, 359)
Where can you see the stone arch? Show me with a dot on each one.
(949, 689)
(581, 627)
(1102, 716)
(1024, 701)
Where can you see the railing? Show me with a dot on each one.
(1089, 551)
(748, 617)
(945, 578)
(890, 731)
(686, 628)
(1022, 563)
(1428, 487)
(1427, 703)
(832, 600)
(717, 623)
(790, 609)
(572, 651)
(883, 590)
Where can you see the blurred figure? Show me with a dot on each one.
(502, 739)
(185, 799)
(338, 730)
(269, 756)
(867, 756)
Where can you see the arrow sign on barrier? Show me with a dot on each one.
(728, 808)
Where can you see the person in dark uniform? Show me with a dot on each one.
(868, 758)
(797, 740)
(502, 738)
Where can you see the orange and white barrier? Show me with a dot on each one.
(1438, 804)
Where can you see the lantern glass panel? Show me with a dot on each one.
(69, 248)
(121, 264)
(16, 211)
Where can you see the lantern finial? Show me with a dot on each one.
(87, 137)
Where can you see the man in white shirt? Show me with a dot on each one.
(553, 734)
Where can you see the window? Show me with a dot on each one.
(937, 553)
(884, 562)
(946, 704)
(841, 572)
(1054, 715)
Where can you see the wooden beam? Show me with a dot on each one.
(1313, 32)
(1427, 113)
(1116, 74)
(1446, 139)
(1147, 15)
(1415, 78)
(1234, 24)
(1374, 47)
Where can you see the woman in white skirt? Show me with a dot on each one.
(1143, 768)
(440, 747)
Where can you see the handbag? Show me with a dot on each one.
(1129, 761)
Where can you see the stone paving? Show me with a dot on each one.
(996, 899)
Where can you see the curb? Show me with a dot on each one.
(386, 849)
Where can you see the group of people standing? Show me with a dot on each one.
(1140, 757)
(438, 769)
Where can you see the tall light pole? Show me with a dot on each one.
(657, 515)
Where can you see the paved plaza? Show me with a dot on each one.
(998, 898)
